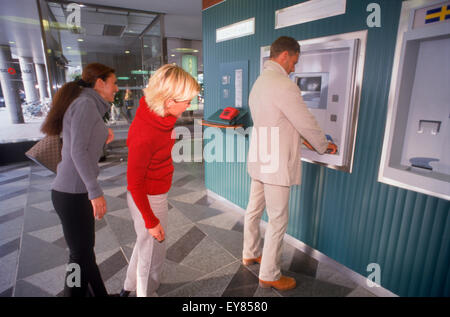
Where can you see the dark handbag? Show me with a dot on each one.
(47, 152)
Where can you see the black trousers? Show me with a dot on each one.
(77, 218)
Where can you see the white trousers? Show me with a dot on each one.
(146, 263)
(276, 199)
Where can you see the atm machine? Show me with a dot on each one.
(416, 149)
(329, 74)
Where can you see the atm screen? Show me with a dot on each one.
(314, 88)
(310, 87)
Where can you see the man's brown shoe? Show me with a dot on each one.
(248, 262)
(283, 284)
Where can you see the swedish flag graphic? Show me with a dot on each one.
(438, 14)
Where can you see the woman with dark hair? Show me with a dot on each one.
(77, 114)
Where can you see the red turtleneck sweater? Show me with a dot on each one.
(150, 167)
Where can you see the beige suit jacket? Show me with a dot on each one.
(276, 102)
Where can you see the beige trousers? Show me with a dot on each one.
(276, 199)
(146, 263)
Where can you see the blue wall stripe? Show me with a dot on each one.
(352, 218)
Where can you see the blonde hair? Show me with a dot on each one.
(169, 82)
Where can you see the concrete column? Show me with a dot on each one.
(42, 80)
(10, 87)
(29, 83)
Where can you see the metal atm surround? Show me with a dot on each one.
(359, 40)
(409, 36)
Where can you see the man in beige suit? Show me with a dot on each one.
(281, 122)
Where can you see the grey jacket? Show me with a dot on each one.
(84, 134)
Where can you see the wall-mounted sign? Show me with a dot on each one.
(430, 15)
(233, 31)
(308, 11)
(234, 84)
(13, 70)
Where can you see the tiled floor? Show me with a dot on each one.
(204, 240)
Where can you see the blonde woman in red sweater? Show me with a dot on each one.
(150, 169)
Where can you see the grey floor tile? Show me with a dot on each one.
(123, 229)
(225, 221)
(266, 292)
(175, 276)
(213, 284)
(36, 219)
(11, 229)
(180, 249)
(8, 205)
(194, 212)
(195, 184)
(8, 270)
(311, 287)
(11, 180)
(25, 289)
(177, 191)
(9, 247)
(205, 201)
(112, 265)
(13, 194)
(176, 219)
(38, 197)
(189, 198)
(115, 203)
(229, 240)
(239, 227)
(208, 256)
(361, 292)
(243, 284)
(329, 274)
(106, 240)
(11, 215)
(304, 264)
(50, 234)
(183, 181)
(51, 281)
(37, 256)
(7, 293)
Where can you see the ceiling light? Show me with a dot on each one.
(127, 52)
(80, 40)
(195, 51)
(183, 50)
(173, 55)
(12, 42)
(68, 47)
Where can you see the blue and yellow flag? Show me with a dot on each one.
(438, 14)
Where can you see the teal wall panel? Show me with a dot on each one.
(351, 218)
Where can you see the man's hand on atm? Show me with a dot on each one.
(331, 149)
